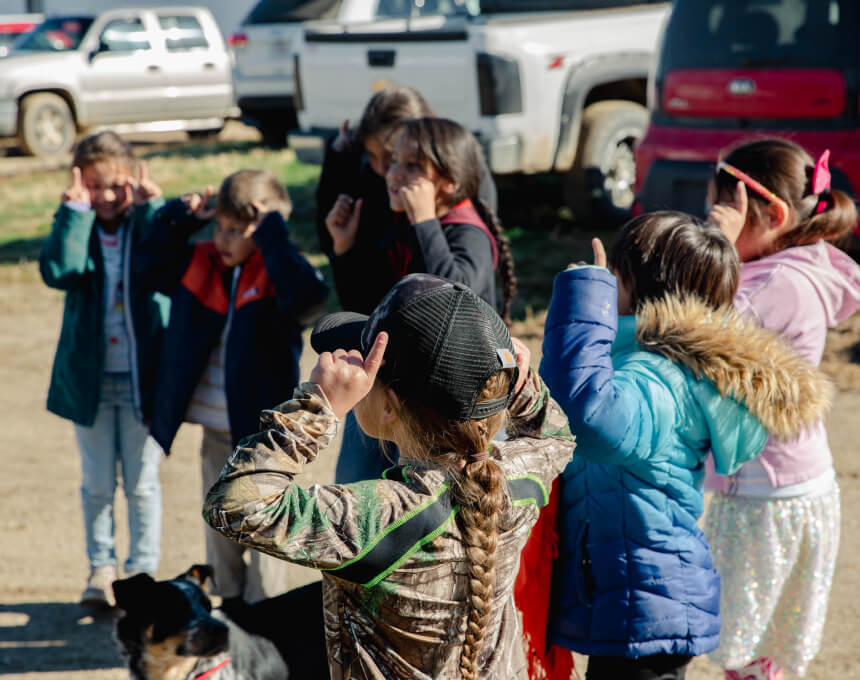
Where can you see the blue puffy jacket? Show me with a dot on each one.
(637, 575)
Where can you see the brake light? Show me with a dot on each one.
(499, 86)
(237, 40)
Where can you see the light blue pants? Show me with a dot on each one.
(361, 457)
(117, 441)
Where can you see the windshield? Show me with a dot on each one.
(760, 33)
(56, 35)
(285, 11)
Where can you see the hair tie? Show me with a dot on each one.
(477, 457)
(821, 183)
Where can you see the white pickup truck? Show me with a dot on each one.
(546, 85)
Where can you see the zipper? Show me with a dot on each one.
(129, 321)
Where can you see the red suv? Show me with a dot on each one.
(731, 69)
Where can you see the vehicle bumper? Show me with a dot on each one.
(504, 154)
(674, 165)
(8, 118)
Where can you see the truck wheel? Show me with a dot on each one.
(599, 186)
(205, 135)
(45, 125)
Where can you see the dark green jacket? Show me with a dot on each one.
(71, 260)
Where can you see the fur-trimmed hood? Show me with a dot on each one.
(744, 361)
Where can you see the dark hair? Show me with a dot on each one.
(672, 252)
(388, 108)
(103, 146)
(239, 190)
(786, 169)
(454, 152)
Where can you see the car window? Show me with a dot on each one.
(124, 35)
(56, 35)
(285, 11)
(412, 8)
(758, 33)
(182, 32)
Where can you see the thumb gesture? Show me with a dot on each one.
(199, 205)
(76, 191)
(346, 377)
(146, 189)
(342, 223)
(599, 255)
(343, 140)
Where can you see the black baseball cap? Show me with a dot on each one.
(444, 343)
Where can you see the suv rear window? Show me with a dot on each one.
(761, 33)
(285, 11)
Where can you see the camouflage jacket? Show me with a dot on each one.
(395, 573)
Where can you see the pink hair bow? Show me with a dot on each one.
(821, 181)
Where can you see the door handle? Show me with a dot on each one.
(380, 58)
(209, 65)
(152, 68)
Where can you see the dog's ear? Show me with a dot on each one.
(134, 594)
(200, 573)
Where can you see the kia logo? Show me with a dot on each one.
(742, 86)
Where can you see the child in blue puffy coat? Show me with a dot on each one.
(654, 370)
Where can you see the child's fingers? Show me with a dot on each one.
(143, 173)
(356, 211)
(373, 362)
(599, 252)
(77, 180)
(344, 127)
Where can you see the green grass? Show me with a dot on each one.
(543, 237)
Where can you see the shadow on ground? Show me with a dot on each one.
(56, 636)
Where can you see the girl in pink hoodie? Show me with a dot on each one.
(773, 526)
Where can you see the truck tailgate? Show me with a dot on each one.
(341, 67)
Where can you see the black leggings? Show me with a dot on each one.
(655, 667)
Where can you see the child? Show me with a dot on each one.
(418, 567)
(433, 176)
(354, 170)
(774, 525)
(104, 368)
(234, 339)
(648, 394)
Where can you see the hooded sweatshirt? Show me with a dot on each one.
(798, 293)
(647, 398)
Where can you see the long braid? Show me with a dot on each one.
(506, 257)
(479, 521)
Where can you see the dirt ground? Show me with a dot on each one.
(44, 634)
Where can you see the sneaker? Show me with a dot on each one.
(99, 592)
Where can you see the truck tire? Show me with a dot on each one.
(599, 186)
(46, 126)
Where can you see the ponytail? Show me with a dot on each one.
(506, 258)
(834, 222)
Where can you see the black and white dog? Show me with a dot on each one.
(170, 632)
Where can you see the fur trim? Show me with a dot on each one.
(745, 361)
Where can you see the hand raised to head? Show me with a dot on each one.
(76, 192)
(145, 189)
(198, 205)
(730, 218)
(346, 377)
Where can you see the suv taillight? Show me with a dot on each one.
(297, 87)
(237, 40)
(499, 85)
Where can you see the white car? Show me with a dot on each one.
(263, 74)
(131, 69)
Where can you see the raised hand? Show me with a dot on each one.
(419, 199)
(599, 255)
(346, 377)
(198, 205)
(730, 218)
(524, 357)
(343, 141)
(260, 212)
(342, 223)
(76, 191)
(145, 189)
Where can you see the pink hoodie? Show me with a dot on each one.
(799, 293)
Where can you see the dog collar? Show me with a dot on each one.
(212, 671)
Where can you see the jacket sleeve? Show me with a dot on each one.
(65, 256)
(339, 175)
(300, 290)
(256, 502)
(459, 252)
(539, 426)
(612, 416)
(163, 251)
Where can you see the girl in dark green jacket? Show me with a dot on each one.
(104, 368)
